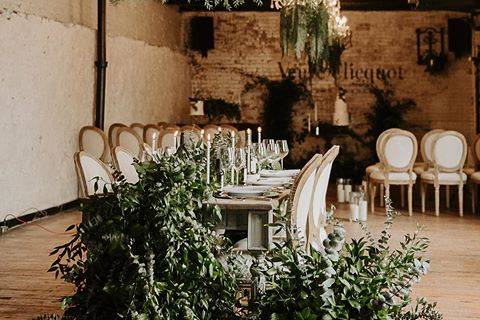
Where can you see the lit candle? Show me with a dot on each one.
(259, 130)
(208, 158)
(249, 144)
(233, 139)
(309, 123)
(175, 140)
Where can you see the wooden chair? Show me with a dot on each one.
(425, 150)
(162, 124)
(172, 126)
(124, 160)
(130, 140)
(94, 141)
(398, 152)
(211, 129)
(449, 151)
(228, 128)
(472, 172)
(168, 138)
(151, 132)
(89, 170)
(299, 203)
(138, 127)
(192, 132)
(377, 166)
(112, 134)
(317, 220)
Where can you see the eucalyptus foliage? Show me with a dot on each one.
(359, 279)
(210, 4)
(147, 251)
(314, 28)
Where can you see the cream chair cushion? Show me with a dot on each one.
(443, 176)
(393, 176)
(475, 177)
(373, 168)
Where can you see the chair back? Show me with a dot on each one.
(150, 131)
(138, 127)
(89, 168)
(124, 161)
(426, 145)
(168, 138)
(95, 142)
(162, 124)
(171, 126)
(449, 151)
(398, 151)
(211, 129)
(318, 212)
(476, 150)
(112, 134)
(228, 128)
(381, 137)
(242, 138)
(130, 140)
(192, 133)
(301, 196)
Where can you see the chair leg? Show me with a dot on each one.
(460, 200)
(387, 193)
(447, 195)
(402, 196)
(410, 199)
(473, 195)
(373, 190)
(437, 200)
(422, 195)
(380, 186)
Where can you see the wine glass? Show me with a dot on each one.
(261, 154)
(239, 162)
(273, 153)
(229, 163)
(283, 147)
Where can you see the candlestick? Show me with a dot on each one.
(309, 123)
(208, 158)
(259, 131)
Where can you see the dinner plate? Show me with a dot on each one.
(245, 190)
(271, 181)
(279, 173)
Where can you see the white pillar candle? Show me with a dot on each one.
(340, 194)
(208, 158)
(354, 210)
(347, 189)
(259, 131)
(362, 215)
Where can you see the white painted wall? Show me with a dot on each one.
(47, 86)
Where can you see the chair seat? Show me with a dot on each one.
(393, 176)
(443, 177)
(373, 168)
(475, 177)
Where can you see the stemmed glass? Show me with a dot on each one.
(283, 147)
(260, 154)
(273, 152)
(228, 163)
(240, 162)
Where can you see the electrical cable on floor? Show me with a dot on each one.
(37, 211)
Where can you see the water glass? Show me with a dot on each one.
(283, 146)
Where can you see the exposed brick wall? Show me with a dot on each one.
(249, 43)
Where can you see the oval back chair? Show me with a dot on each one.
(168, 138)
(130, 140)
(151, 133)
(124, 162)
(94, 141)
(448, 151)
(318, 212)
(112, 134)
(91, 172)
(138, 127)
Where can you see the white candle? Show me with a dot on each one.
(249, 144)
(233, 139)
(362, 215)
(175, 140)
(154, 142)
(309, 121)
(259, 131)
(202, 134)
(354, 211)
(348, 189)
(208, 158)
(340, 194)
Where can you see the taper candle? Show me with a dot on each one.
(259, 131)
(208, 158)
(249, 145)
(175, 140)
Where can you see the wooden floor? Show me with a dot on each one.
(26, 290)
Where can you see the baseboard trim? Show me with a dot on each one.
(10, 223)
